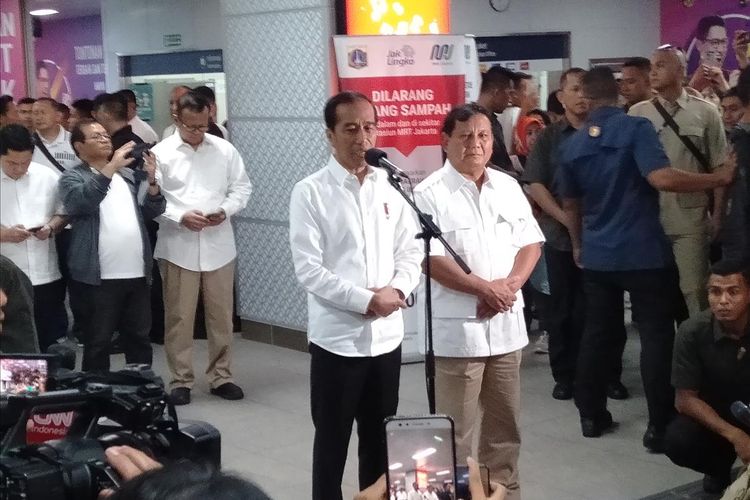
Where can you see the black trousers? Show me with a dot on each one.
(564, 312)
(50, 315)
(652, 296)
(691, 445)
(344, 389)
(62, 244)
(122, 305)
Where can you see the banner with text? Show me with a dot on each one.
(12, 51)
(413, 81)
(707, 30)
(70, 59)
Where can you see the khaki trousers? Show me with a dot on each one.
(462, 387)
(181, 288)
(691, 256)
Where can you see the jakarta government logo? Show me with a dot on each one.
(357, 57)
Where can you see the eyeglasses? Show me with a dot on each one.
(194, 128)
(99, 137)
(716, 42)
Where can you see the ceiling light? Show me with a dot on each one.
(443, 472)
(43, 12)
(423, 453)
(438, 438)
(395, 466)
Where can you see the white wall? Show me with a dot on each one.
(138, 26)
(598, 28)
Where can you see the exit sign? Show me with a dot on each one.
(173, 40)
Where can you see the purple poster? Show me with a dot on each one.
(69, 59)
(12, 60)
(713, 33)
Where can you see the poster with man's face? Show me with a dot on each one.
(713, 34)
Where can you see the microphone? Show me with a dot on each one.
(741, 412)
(379, 158)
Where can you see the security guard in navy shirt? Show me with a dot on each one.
(609, 169)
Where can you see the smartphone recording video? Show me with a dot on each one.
(421, 457)
(23, 375)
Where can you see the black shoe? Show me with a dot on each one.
(653, 439)
(616, 390)
(595, 427)
(228, 390)
(180, 396)
(716, 484)
(563, 391)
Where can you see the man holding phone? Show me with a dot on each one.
(29, 217)
(479, 328)
(204, 181)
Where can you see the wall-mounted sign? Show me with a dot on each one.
(173, 40)
(173, 63)
(144, 98)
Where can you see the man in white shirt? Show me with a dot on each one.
(174, 98)
(140, 128)
(29, 216)
(110, 257)
(52, 141)
(478, 327)
(204, 181)
(353, 244)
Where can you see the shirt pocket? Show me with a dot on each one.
(459, 230)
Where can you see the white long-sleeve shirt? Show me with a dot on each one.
(487, 228)
(209, 178)
(143, 130)
(32, 201)
(347, 238)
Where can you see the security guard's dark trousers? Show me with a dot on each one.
(689, 444)
(344, 389)
(651, 294)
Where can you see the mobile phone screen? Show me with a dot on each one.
(462, 481)
(22, 375)
(421, 456)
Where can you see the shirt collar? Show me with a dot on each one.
(719, 332)
(340, 174)
(60, 137)
(206, 143)
(455, 181)
(682, 100)
(565, 126)
(601, 114)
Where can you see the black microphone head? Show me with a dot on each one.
(374, 155)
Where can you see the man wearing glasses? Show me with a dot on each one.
(110, 257)
(204, 181)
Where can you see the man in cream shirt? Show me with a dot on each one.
(354, 252)
(204, 181)
(478, 324)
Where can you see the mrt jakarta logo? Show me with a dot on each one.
(358, 57)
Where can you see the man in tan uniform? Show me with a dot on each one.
(685, 216)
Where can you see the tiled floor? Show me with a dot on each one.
(267, 437)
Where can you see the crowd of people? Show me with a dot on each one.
(618, 187)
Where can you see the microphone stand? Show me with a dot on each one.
(430, 230)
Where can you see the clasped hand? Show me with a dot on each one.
(385, 302)
(498, 297)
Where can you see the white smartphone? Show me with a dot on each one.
(421, 455)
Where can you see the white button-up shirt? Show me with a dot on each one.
(347, 238)
(209, 178)
(487, 229)
(143, 130)
(32, 201)
(60, 149)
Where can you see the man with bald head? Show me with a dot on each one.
(690, 220)
(174, 98)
